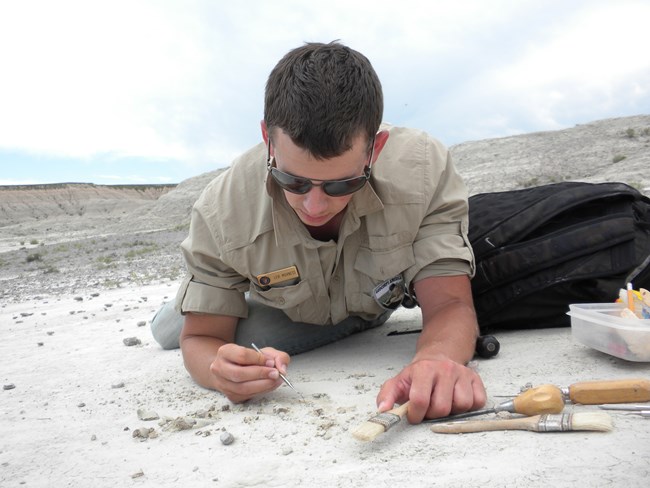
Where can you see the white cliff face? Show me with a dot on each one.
(606, 150)
(61, 238)
(20, 204)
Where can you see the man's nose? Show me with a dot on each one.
(315, 200)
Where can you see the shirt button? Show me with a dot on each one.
(335, 279)
(281, 301)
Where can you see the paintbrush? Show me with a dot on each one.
(380, 423)
(564, 422)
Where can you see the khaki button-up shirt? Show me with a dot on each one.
(410, 220)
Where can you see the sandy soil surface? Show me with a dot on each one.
(80, 407)
(89, 399)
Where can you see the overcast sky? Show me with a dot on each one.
(146, 91)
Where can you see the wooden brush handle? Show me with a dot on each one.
(467, 426)
(614, 391)
(401, 410)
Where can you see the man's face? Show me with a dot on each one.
(315, 208)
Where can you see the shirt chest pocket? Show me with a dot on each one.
(387, 258)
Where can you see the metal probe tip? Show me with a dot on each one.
(284, 378)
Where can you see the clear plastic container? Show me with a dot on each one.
(600, 326)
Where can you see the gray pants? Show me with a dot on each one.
(266, 327)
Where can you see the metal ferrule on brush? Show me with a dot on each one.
(387, 420)
(555, 422)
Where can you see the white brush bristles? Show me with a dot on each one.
(599, 421)
(368, 431)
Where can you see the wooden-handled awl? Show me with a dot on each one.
(536, 401)
(608, 391)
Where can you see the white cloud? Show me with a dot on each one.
(589, 63)
(177, 80)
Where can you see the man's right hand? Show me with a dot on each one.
(241, 373)
(214, 361)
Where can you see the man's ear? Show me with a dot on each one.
(380, 141)
(265, 132)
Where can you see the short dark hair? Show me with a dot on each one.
(323, 96)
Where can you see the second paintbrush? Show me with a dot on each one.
(564, 422)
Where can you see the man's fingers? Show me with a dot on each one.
(425, 388)
(280, 359)
(240, 392)
(480, 395)
(395, 390)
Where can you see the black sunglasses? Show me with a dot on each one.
(333, 188)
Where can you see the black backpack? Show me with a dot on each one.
(540, 249)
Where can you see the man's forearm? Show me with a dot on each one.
(200, 340)
(450, 333)
(199, 352)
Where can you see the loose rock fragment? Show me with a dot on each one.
(131, 341)
(226, 438)
(147, 414)
(177, 424)
(144, 433)
(139, 474)
(10, 386)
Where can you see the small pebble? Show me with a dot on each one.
(118, 385)
(147, 414)
(79, 299)
(131, 341)
(226, 438)
(139, 474)
(10, 386)
(142, 323)
(144, 433)
(286, 451)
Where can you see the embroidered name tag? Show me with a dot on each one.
(279, 276)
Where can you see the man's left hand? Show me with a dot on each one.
(435, 388)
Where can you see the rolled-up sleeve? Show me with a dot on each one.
(211, 286)
(441, 246)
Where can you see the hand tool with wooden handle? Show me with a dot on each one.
(608, 391)
(536, 401)
(564, 422)
(380, 423)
